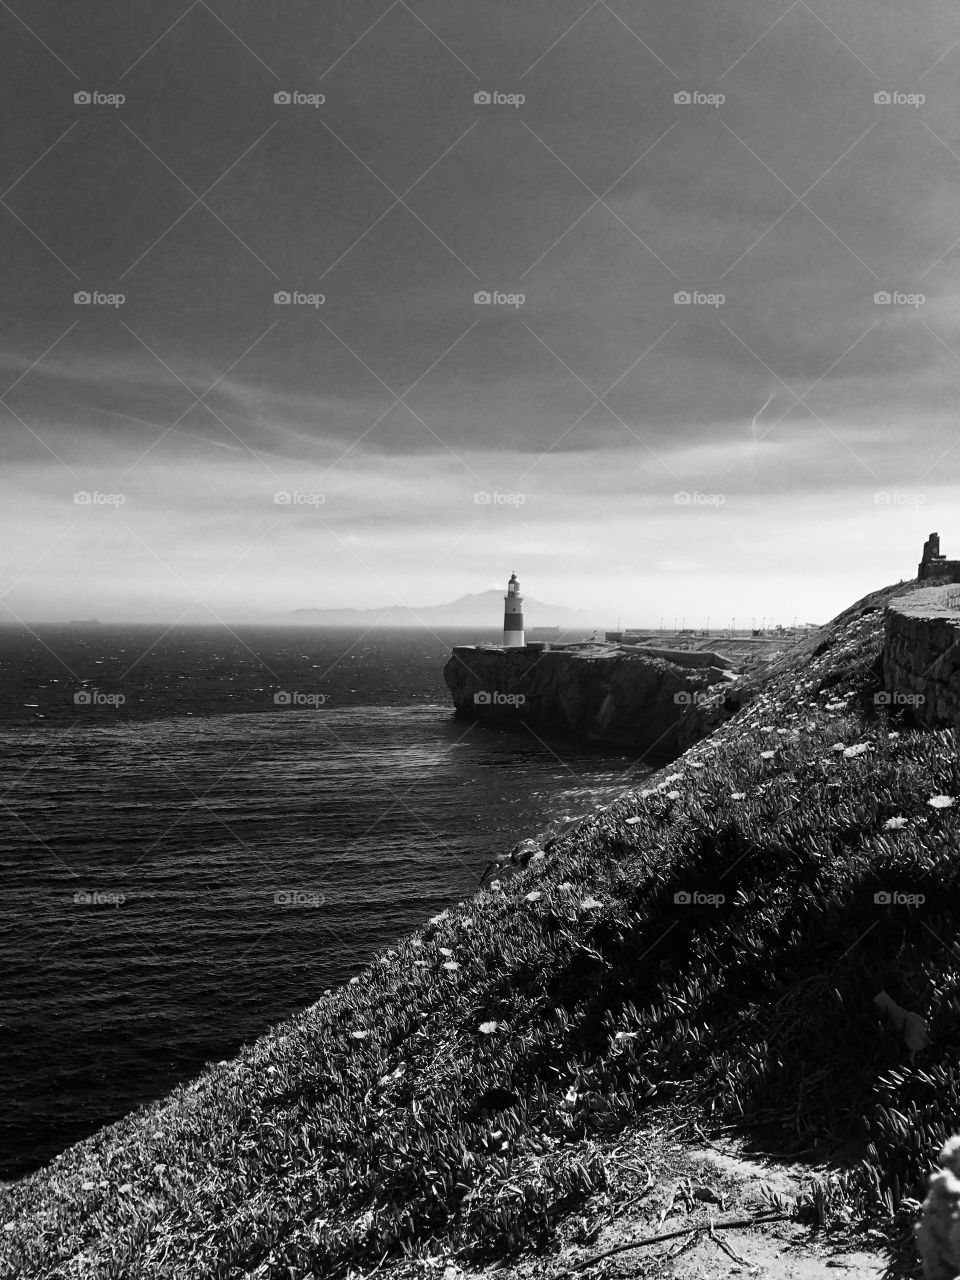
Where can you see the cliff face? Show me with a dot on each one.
(606, 695)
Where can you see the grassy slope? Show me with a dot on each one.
(440, 1102)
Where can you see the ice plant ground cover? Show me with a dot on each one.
(714, 942)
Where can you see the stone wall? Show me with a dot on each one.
(921, 654)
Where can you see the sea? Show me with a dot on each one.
(203, 828)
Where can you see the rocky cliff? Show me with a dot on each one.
(599, 693)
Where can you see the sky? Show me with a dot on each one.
(373, 302)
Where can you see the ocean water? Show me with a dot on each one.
(183, 868)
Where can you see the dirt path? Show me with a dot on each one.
(659, 1186)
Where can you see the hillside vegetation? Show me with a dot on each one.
(712, 942)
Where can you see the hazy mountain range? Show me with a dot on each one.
(484, 609)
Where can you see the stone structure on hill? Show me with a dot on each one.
(934, 565)
(921, 656)
(938, 1231)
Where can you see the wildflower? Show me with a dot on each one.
(893, 735)
(894, 824)
(940, 802)
(451, 965)
(632, 822)
(767, 755)
(694, 764)
(494, 886)
(533, 895)
(439, 918)
(857, 750)
(838, 746)
(566, 885)
(626, 1035)
(738, 795)
(354, 981)
(590, 903)
(359, 1035)
(488, 1028)
(445, 951)
(422, 964)
(673, 795)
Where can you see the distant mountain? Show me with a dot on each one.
(485, 609)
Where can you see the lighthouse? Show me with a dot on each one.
(513, 615)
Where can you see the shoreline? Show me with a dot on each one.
(770, 831)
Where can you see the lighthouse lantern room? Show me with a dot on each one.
(513, 615)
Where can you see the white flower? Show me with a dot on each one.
(673, 795)
(451, 965)
(488, 1028)
(857, 750)
(437, 919)
(893, 735)
(632, 822)
(940, 802)
(566, 885)
(494, 886)
(894, 824)
(533, 895)
(767, 755)
(354, 981)
(590, 903)
(359, 1035)
(738, 795)
(445, 951)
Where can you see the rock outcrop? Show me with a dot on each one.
(938, 1231)
(598, 693)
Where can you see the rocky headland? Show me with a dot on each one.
(617, 695)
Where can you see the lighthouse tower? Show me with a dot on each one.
(513, 615)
